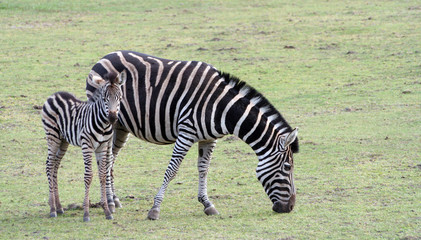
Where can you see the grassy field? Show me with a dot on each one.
(347, 73)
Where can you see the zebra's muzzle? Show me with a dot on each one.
(284, 207)
(112, 117)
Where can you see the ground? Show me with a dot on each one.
(347, 73)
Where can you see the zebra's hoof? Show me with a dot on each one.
(86, 219)
(60, 211)
(53, 214)
(109, 217)
(117, 203)
(111, 206)
(153, 214)
(211, 211)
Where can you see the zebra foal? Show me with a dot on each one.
(88, 125)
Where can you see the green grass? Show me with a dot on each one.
(350, 79)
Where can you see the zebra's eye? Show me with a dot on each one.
(287, 166)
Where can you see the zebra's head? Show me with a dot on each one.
(111, 94)
(275, 172)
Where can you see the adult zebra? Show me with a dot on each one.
(67, 120)
(184, 102)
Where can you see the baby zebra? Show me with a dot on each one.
(87, 125)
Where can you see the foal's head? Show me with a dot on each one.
(111, 94)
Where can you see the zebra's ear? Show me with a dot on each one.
(122, 77)
(289, 138)
(97, 80)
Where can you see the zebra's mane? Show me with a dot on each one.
(260, 102)
(95, 95)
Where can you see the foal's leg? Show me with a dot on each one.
(103, 158)
(87, 152)
(182, 145)
(60, 153)
(119, 140)
(51, 167)
(205, 155)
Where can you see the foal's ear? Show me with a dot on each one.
(97, 80)
(122, 77)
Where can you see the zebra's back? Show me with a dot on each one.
(60, 117)
(159, 94)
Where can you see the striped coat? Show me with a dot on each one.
(183, 102)
(88, 125)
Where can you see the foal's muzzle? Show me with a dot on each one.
(112, 117)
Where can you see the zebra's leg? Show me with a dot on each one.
(60, 154)
(51, 169)
(119, 140)
(205, 155)
(182, 146)
(103, 158)
(87, 159)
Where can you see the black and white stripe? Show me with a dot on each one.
(184, 102)
(88, 125)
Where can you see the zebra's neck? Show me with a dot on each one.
(97, 114)
(251, 117)
(256, 127)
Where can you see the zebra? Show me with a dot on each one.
(184, 102)
(67, 120)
